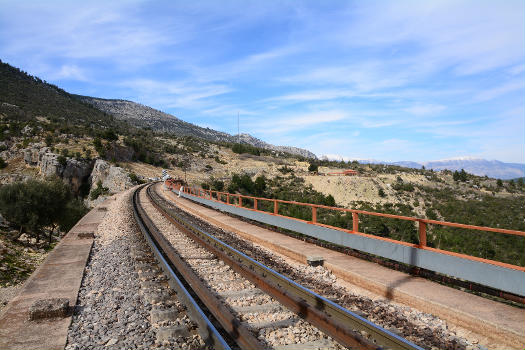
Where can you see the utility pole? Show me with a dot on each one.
(238, 130)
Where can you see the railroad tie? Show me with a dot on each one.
(240, 293)
(263, 308)
(172, 332)
(314, 345)
(164, 315)
(272, 324)
(141, 267)
(158, 297)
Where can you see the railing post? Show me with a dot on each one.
(227, 198)
(355, 222)
(314, 214)
(422, 233)
(240, 201)
(255, 203)
(275, 207)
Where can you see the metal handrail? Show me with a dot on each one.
(422, 223)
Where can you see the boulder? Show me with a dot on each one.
(27, 130)
(76, 172)
(49, 165)
(32, 154)
(114, 178)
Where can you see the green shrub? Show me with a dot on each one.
(135, 179)
(314, 168)
(244, 148)
(98, 191)
(62, 160)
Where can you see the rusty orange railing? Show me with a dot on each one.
(422, 223)
(344, 172)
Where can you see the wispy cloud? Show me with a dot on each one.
(386, 79)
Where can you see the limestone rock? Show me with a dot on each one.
(76, 172)
(114, 178)
(33, 154)
(49, 165)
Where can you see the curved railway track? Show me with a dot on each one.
(252, 302)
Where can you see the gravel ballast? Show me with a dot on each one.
(110, 311)
(422, 328)
(123, 291)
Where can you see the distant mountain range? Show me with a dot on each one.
(476, 166)
(144, 116)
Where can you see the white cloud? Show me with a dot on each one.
(490, 94)
(70, 71)
(286, 123)
(175, 94)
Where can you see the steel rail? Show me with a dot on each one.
(207, 331)
(336, 321)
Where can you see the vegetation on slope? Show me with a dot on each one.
(444, 205)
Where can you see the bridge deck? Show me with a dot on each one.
(498, 322)
(59, 276)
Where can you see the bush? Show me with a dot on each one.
(381, 193)
(3, 163)
(109, 135)
(98, 191)
(62, 160)
(401, 186)
(285, 170)
(217, 185)
(314, 168)
(135, 179)
(243, 148)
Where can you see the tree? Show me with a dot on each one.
(314, 168)
(460, 175)
(33, 205)
(499, 183)
(463, 175)
(260, 185)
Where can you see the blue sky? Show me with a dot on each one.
(387, 80)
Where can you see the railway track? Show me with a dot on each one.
(255, 305)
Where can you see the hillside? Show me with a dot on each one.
(24, 98)
(144, 116)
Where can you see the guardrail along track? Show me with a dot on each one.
(348, 328)
(475, 273)
(211, 337)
